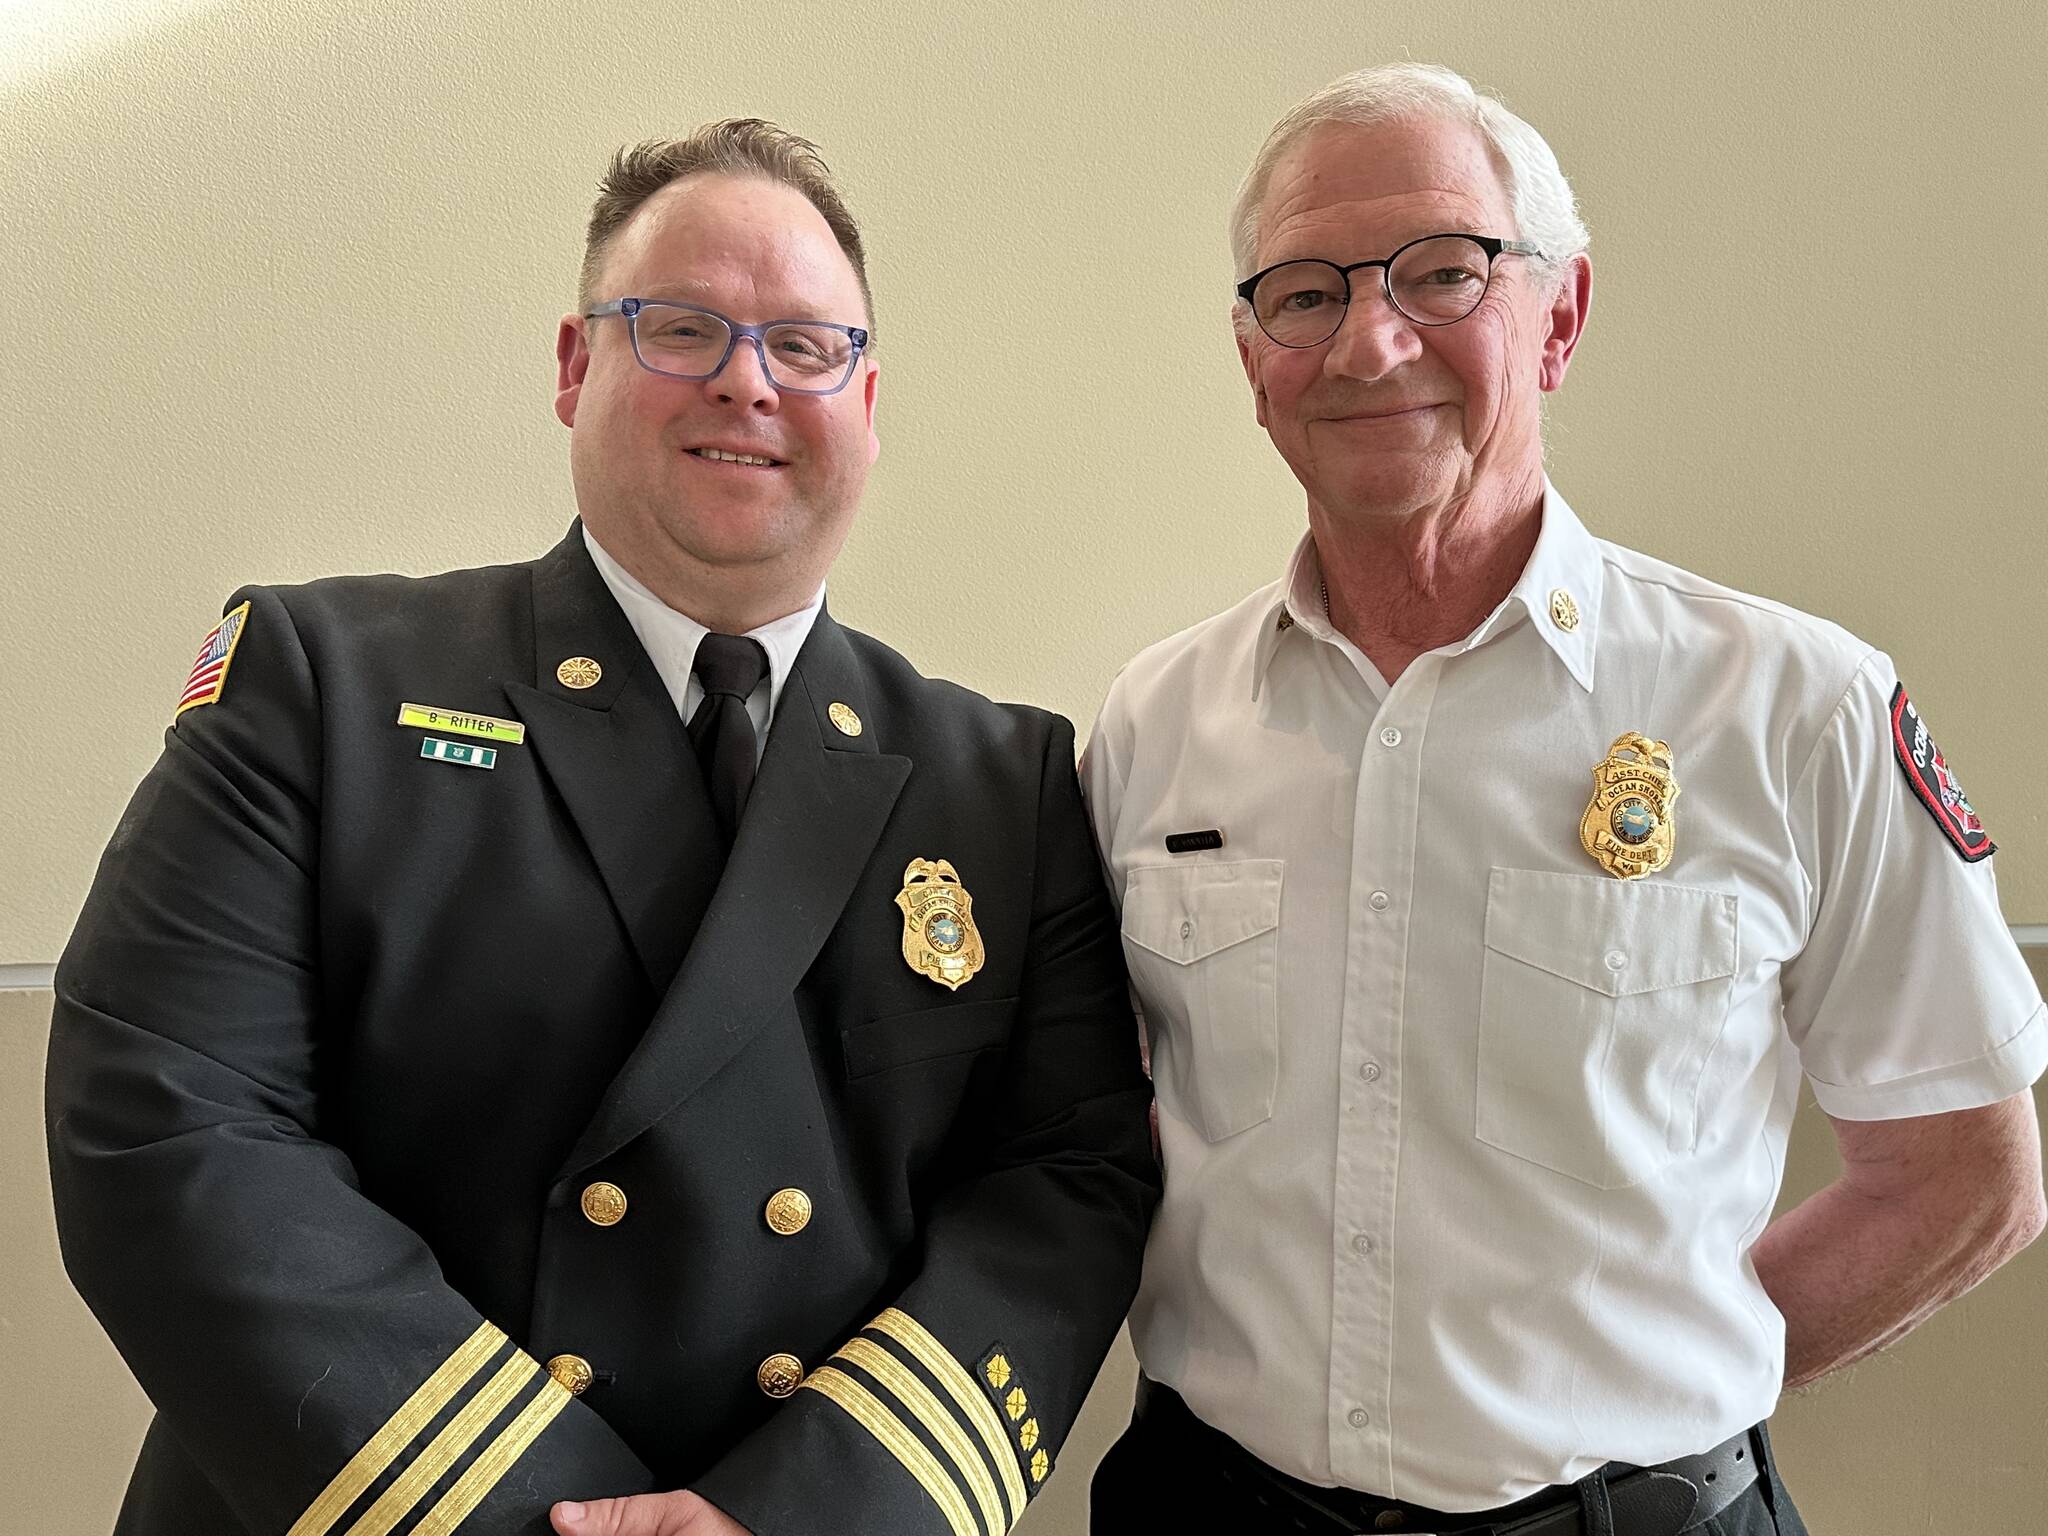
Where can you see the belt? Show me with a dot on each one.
(1664, 1500)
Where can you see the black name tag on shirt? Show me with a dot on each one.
(1194, 842)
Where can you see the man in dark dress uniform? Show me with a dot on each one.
(597, 1027)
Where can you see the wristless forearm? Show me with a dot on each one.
(1852, 1273)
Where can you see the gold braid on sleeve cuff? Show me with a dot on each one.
(392, 1445)
(924, 1407)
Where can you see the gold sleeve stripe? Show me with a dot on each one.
(911, 1334)
(484, 1473)
(399, 1431)
(396, 1502)
(867, 1411)
(955, 1441)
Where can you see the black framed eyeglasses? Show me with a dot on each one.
(1436, 280)
(805, 357)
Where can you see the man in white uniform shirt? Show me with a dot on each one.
(1488, 890)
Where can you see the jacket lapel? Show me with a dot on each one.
(813, 818)
(617, 755)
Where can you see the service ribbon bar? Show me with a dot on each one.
(459, 752)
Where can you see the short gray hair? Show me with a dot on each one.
(1545, 211)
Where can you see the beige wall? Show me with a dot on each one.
(66, 1445)
(282, 280)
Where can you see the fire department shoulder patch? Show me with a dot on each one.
(1934, 784)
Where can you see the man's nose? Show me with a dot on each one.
(1373, 339)
(743, 380)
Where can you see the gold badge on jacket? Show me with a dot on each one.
(1628, 826)
(939, 936)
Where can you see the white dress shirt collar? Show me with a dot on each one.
(670, 639)
(1566, 561)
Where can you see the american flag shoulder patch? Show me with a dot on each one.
(210, 671)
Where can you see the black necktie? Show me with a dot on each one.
(730, 667)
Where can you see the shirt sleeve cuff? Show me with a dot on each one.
(1998, 1074)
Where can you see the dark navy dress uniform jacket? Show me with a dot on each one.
(344, 1033)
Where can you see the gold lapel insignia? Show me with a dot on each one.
(1628, 825)
(578, 672)
(939, 936)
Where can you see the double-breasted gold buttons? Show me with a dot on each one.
(604, 1205)
(780, 1375)
(571, 1372)
(789, 1212)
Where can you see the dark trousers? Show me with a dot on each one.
(1170, 1469)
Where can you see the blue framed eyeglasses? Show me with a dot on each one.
(805, 357)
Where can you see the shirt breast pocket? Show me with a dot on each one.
(1600, 1002)
(1203, 945)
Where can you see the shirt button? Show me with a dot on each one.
(1369, 1070)
(1377, 901)
(1390, 737)
(1361, 1245)
(1358, 1418)
(1615, 960)
(1187, 930)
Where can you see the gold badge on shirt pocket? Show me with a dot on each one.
(939, 936)
(1628, 824)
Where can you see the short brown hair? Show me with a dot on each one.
(736, 146)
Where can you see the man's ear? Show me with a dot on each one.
(870, 389)
(572, 361)
(1568, 310)
(1251, 374)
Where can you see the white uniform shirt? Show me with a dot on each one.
(1466, 1140)
(670, 640)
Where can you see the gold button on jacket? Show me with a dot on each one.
(779, 1375)
(604, 1204)
(789, 1212)
(571, 1372)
